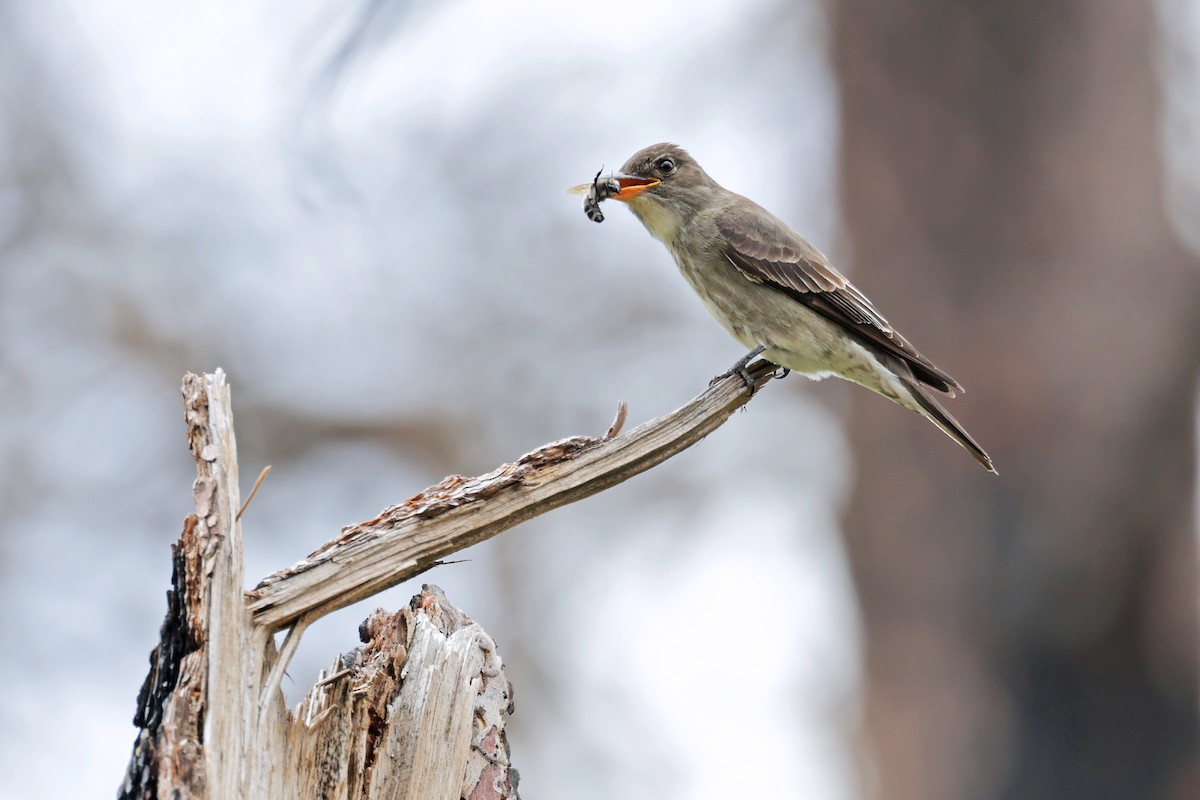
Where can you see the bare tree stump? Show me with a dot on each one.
(419, 710)
(441, 674)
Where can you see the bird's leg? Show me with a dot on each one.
(739, 369)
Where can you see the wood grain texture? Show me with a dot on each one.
(419, 710)
(407, 539)
(191, 740)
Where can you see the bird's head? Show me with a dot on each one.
(660, 170)
(663, 185)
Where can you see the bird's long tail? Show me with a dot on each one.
(932, 409)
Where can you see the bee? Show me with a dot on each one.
(596, 192)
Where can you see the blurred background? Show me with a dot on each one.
(357, 209)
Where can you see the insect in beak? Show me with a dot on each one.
(617, 187)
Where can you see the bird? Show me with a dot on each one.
(772, 289)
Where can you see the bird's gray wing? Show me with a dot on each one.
(767, 251)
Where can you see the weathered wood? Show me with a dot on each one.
(192, 740)
(419, 710)
(407, 539)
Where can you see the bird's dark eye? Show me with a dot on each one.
(666, 166)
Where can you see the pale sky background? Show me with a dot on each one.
(391, 273)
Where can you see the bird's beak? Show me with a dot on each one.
(628, 186)
(631, 187)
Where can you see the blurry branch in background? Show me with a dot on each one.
(339, 46)
(419, 710)
(375, 22)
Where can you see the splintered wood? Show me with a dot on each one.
(426, 694)
(418, 711)
(190, 736)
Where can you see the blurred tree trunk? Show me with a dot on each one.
(1031, 636)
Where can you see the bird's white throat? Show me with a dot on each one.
(660, 221)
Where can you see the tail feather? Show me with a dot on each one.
(939, 416)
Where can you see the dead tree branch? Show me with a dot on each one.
(419, 710)
(407, 539)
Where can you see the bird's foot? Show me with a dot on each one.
(739, 369)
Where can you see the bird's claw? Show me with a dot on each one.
(739, 369)
(742, 373)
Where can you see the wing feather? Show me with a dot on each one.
(767, 251)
